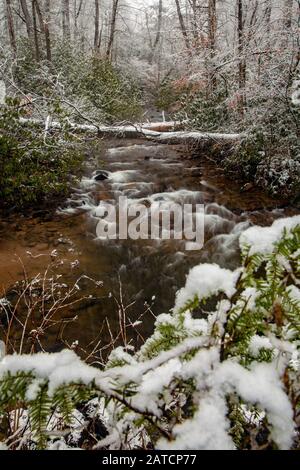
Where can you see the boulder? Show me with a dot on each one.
(101, 175)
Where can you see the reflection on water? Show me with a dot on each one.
(147, 269)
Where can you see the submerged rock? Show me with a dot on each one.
(248, 187)
(194, 171)
(101, 175)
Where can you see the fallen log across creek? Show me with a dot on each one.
(161, 132)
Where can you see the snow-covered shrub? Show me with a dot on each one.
(110, 90)
(269, 154)
(247, 156)
(94, 87)
(220, 377)
(206, 112)
(281, 177)
(35, 168)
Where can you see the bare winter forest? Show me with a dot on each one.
(184, 332)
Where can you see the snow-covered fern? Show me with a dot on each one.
(222, 374)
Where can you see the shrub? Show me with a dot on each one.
(269, 154)
(244, 161)
(89, 82)
(207, 112)
(34, 169)
(110, 91)
(168, 96)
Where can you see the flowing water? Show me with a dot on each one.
(143, 272)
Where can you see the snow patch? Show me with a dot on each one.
(262, 239)
(204, 281)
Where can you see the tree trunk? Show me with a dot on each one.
(28, 20)
(10, 26)
(159, 135)
(66, 19)
(194, 21)
(212, 35)
(97, 21)
(268, 13)
(288, 13)
(47, 29)
(100, 37)
(212, 25)
(183, 27)
(77, 12)
(158, 33)
(296, 60)
(35, 31)
(112, 28)
(44, 26)
(242, 60)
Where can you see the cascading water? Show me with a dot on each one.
(148, 271)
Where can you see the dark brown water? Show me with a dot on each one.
(147, 272)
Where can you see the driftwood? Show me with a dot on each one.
(159, 132)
